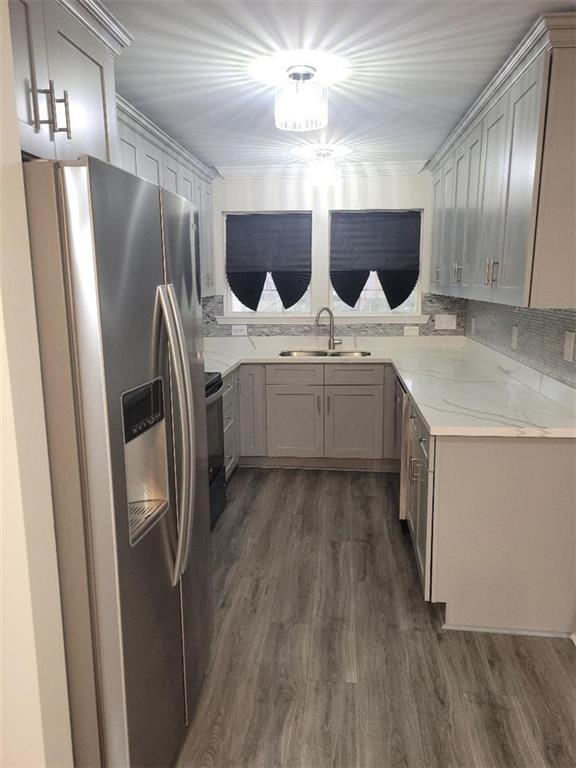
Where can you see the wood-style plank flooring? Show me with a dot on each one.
(325, 654)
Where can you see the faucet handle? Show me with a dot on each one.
(337, 341)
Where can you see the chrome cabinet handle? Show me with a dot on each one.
(318, 404)
(53, 102)
(494, 277)
(458, 274)
(488, 271)
(328, 403)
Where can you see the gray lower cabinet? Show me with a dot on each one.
(65, 75)
(353, 422)
(253, 438)
(295, 420)
(231, 415)
(417, 483)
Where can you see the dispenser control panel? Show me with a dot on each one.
(142, 408)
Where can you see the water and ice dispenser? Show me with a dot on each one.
(145, 456)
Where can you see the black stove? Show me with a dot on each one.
(215, 428)
(211, 382)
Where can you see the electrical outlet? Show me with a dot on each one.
(569, 338)
(514, 342)
(445, 322)
(473, 326)
(239, 330)
(411, 330)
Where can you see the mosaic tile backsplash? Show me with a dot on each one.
(540, 341)
(213, 307)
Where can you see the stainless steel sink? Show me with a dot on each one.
(323, 353)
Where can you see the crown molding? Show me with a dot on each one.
(137, 121)
(550, 31)
(103, 25)
(298, 171)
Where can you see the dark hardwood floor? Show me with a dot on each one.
(325, 654)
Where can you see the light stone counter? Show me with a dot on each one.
(460, 387)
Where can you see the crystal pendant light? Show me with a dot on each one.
(323, 170)
(301, 102)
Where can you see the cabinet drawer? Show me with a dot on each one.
(295, 373)
(420, 430)
(344, 373)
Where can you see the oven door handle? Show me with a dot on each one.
(215, 395)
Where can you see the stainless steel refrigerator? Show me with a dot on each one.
(117, 282)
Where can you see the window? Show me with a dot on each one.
(373, 270)
(374, 260)
(268, 261)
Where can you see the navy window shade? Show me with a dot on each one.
(385, 242)
(258, 243)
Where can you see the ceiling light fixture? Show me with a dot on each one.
(323, 169)
(301, 102)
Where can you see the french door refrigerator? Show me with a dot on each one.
(117, 283)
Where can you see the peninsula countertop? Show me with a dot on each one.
(460, 387)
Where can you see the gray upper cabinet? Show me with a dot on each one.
(64, 68)
(495, 163)
(31, 75)
(524, 108)
(150, 153)
(504, 188)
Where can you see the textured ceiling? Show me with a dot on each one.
(415, 67)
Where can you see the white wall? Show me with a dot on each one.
(34, 715)
(240, 195)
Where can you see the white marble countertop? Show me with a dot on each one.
(459, 386)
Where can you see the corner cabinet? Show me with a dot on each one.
(504, 184)
(64, 72)
(147, 151)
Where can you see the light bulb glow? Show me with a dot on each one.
(301, 105)
(323, 170)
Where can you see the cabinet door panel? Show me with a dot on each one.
(170, 173)
(467, 271)
(149, 161)
(295, 417)
(83, 67)
(252, 410)
(423, 542)
(445, 261)
(525, 105)
(496, 147)
(31, 73)
(353, 422)
(187, 184)
(128, 148)
(436, 231)
(295, 373)
(460, 215)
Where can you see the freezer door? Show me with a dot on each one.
(116, 266)
(181, 256)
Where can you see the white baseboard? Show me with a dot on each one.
(511, 631)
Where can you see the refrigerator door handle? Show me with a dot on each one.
(190, 432)
(166, 301)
